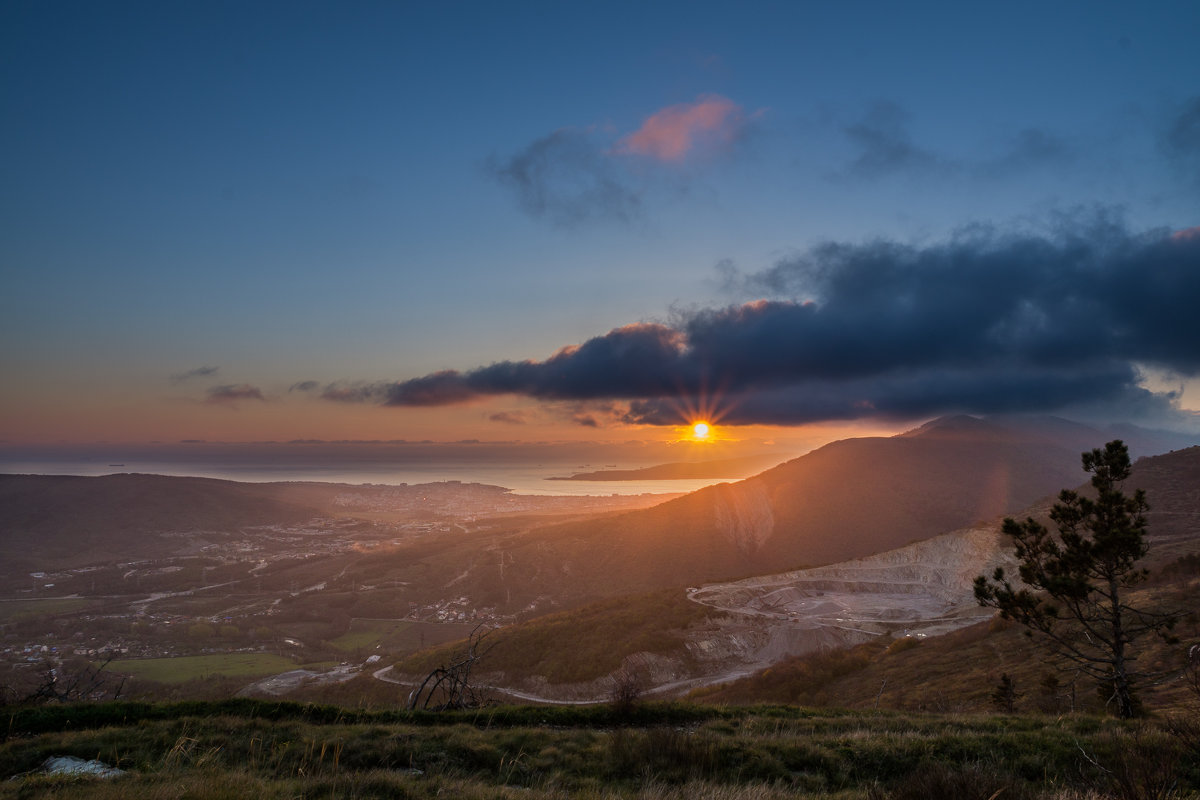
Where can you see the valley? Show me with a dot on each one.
(366, 587)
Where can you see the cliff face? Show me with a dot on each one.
(743, 513)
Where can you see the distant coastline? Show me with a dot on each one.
(730, 468)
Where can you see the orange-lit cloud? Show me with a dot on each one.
(672, 133)
(1187, 234)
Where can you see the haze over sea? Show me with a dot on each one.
(523, 468)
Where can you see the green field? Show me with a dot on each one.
(185, 668)
(397, 636)
(18, 610)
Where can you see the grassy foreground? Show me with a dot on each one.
(242, 748)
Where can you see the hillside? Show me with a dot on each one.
(846, 500)
(958, 671)
(779, 630)
(60, 522)
(65, 521)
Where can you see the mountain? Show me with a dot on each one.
(680, 470)
(846, 500)
(62, 521)
(50, 522)
(789, 636)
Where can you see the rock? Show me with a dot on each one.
(70, 765)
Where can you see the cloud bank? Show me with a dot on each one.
(986, 322)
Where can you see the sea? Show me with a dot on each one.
(524, 469)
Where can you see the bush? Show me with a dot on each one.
(937, 781)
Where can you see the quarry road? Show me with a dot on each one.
(666, 688)
(382, 675)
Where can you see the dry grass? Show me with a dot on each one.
(273, 751)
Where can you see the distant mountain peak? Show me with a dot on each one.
(956, 425)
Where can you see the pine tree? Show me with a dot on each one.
(1004, 696)
(1076, 585)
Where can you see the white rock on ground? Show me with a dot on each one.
(70, 765)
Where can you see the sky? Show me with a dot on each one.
(546, 221)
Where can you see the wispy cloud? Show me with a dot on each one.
(567, 179)
(198, 372)
(576, 176)
(1030, 148)
(304, 386)
(508, 417)
(987, 321)
(885, 146)
(677, 131)
(1181, 139)
(354, 392)
(232, 394)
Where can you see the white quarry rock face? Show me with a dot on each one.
(924, 589)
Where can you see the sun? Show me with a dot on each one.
(701, 431)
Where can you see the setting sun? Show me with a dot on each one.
(700, 431)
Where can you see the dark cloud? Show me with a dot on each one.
(304, 386)
(508, 417)
(922, 393)
(198, 372)
(568, 179)
(885, 146)
(632, 361)
(986, 322)
(232, 394)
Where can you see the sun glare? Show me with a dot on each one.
(700, 431)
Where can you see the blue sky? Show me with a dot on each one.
(355, 196)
